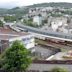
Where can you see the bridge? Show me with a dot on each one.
(43, 34)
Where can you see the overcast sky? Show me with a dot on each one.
(13, 3)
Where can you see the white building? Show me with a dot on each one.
(7, 36)
(2, 18)
(54, 26)
(59, 24)
(37, 20)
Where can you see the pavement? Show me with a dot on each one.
(43, 52)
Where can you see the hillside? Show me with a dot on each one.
(3, 11)
(23, 10)
(52, 4)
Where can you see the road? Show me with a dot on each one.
(63, 36)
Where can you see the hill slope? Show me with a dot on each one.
(52, 4)
(24, 10)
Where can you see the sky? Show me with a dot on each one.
(13, 3)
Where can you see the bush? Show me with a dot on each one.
(59, 70)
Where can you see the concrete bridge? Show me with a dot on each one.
(43, 34)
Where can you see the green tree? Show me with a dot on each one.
(30, 23)
(59, 70)
(16, 58)
(1, 23)
(10, 18)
